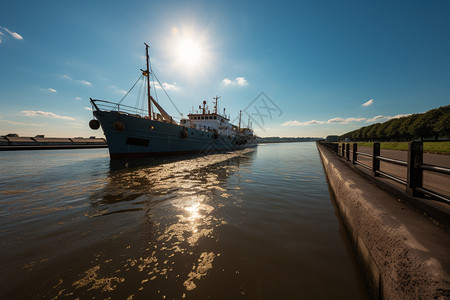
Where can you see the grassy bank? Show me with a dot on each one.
(430, 147)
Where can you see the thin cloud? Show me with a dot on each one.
(21, 123)
(368, 103)
(82, 81)
(51, 90)
(77, 98)
(238, 81)
(297, 123)
(167, 86)
(381, 118)
(37, 113)
(377, 119)
(337, 120)
(400, 116)
(13, 34)
(344, 121)
(85, 82)
(117, 90)
(88, 108)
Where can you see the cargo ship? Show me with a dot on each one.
(132, 131)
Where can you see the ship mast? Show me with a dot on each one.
(215, 103)
(240, 114)
(148, 83)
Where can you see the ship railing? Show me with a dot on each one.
(102, 105)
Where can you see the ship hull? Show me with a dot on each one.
(134, 136)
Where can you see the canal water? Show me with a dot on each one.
(253, 224)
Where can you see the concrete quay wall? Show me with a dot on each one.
(402, 254)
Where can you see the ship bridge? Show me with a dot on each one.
(204, 119)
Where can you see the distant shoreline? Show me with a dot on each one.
(50, 147)
(13, 142)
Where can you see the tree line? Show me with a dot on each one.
(433, 124)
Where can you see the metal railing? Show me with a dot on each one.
(414, 166)
(121, 108)
(102, 105)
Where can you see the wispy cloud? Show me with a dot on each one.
(36, 113)
(77, 98)
(82, 81)
(85, 82)
(368, 103)
(51, 90)
(88, 108)
(21, 123)
(238, 81)
(337, 120)
(117, 90)
(382, 118)
(13, 34)
(400, 116)
(297, 123)
(344, 121)
(167, 86)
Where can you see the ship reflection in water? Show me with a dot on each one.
(248, 224)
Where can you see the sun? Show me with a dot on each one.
(189, 52)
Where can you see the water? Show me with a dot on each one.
(253, 224)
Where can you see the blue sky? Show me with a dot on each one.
(325, 67)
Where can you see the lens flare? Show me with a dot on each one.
(189, 52)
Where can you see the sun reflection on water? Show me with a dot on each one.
(180, 201)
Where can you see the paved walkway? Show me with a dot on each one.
(431, 180)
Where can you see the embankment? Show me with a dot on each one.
(401, 253)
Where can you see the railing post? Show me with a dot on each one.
(354, 154)
(375, 160)
(347, 152)
(415, 174)
(343, 150)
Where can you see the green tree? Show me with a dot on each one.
(392, 130)
(442, 125)
(404, 128)
(372, 133)
(381, 131)
(422, 127)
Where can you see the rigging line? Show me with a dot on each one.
(153, 80)
(129, 90)
(163, 88)
(167, 95)
(138, 99)
(154, 88)
(143, 98)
